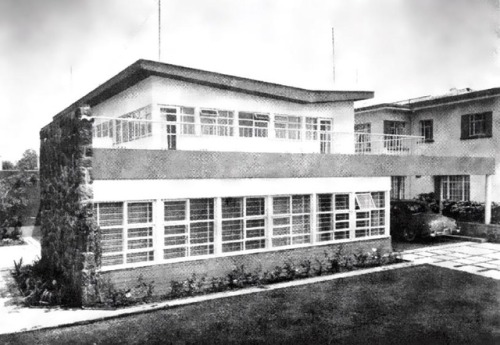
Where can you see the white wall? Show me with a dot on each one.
(123, 190)
(447, 142)
(174, 92)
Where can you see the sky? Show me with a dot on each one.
(53, 52)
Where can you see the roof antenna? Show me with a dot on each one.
(159, 30)
(333, 51)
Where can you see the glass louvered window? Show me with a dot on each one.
(332, 217)
(370, 214)
(217, 122)
(126, 232)
(311, 128)
(291, 220)
(287, 127)
(243, 224)
(188, 228)
(253, 124)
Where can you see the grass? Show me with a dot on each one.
(418, 305)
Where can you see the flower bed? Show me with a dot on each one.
(41, 291)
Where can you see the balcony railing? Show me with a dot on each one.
(261, 137)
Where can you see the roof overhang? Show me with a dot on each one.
(143, 69)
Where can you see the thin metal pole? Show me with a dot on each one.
(159, 30)
(333, 51)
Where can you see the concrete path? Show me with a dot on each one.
(478, 258)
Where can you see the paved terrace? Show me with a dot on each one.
(476, 258)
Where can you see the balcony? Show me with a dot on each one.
(263, 136)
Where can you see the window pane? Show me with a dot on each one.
(324, 202)
(174, 210)
(232, 207)
(281, 205)
(255, 206)
(342, 201)
(140, 212)
(301, 204)
(110, 214)
(202, 209)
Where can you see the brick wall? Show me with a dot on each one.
(162, 274)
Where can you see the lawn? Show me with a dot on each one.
(417, 305)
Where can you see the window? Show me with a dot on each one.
(217, 122)
(287, 127)
(187, 120)
(130, 130)
(126, 232)
(426, 130)
(332, 217)
(370, 214)
(243, 224)
(363, 137)
(398, 184)
(103, 129)
(456, 187)
(253, 124)
(311, 128)
(291, 220)
(189, 228)
(475, 126)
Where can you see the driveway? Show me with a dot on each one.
(477, 258)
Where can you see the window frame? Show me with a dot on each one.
(187, 222)
(468, 123)
(125, 226)
(222, 125)
(244, 218)
(290, 224)
(426, 128)
(256, 128)
(285, 128)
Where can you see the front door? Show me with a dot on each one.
(325, 135)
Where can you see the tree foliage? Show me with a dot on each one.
(29, 161)
(14, 197)
(8, 165)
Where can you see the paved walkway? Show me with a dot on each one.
(478, 258)
(482, 259)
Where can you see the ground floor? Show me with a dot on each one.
(448, 187)
(170, 229)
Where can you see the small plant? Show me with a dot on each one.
(290, 272)
(306, 269)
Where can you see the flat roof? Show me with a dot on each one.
(433, 101)
(143, 69)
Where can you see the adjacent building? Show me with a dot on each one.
(190, 171)
(459, 123)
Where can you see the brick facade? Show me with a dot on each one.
(163, 274)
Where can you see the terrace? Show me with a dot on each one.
(180, 128)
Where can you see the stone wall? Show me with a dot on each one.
(70, 237)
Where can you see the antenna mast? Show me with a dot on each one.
(333, 53)
(159, 30)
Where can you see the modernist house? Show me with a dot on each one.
(459, 123)
(196, 172)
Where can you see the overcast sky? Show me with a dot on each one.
(55, 51)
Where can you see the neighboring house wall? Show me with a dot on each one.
(447, 139)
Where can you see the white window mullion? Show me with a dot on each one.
(218, 226)
(158, 230)
(125, 231)
(314, 233)
(352, 216)
(269, 222)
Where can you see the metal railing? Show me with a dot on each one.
(148, 134)
(372, 143)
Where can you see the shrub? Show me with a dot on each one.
(35, 286)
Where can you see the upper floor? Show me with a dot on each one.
(459, 123)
